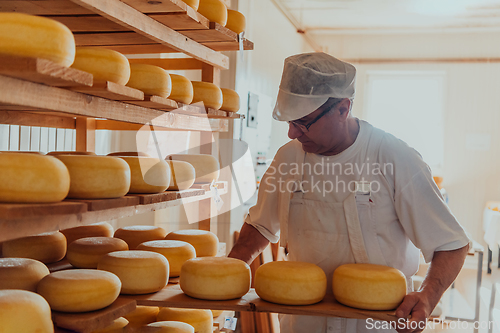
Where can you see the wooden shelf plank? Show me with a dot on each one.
(111, 38)
(190, 20)
(102, 204)
(48, 7)
(33, 119)
(156, 102)
(170, 64)
(89, 23)
(229, 46)
(141, 48)
(10, 211)
(111, 90)
(215, 33)
(198, 110)
(235, 115)
(165, 6)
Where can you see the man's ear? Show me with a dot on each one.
(345, 107)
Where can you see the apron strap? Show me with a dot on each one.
(354, 230)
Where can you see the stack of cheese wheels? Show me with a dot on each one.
(70, 152)
(96, 177)
(142, 315)
(201, 320)
(204, 242)
(129, 153)
(290, 283)
(101, 229)
(235, 21)
(182, 89)
(176, 252)
(230, 100)
(48, 247)
(21, 273)
(215, 278)
(208, 93)
(141, 272)
(150, 79)
(79, 290)
(30, 178)
(368, 286)
(183, 175)
(148, 175)
(207, 167)
(24, 311)
(117, 326)
(86, 252)
(193, 3)
(103, 64)
(137, 234)
(171, 327)
(214, 10)
(35, 36)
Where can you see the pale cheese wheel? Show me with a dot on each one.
(192, 3)
(79, 290)
(32, 178)
(183, 175)
(48, 247)
(70, 152)
(147, 174)
(24, 311)
(230, 100)
(101, 229)
(142, 315)
(117, 326)
(214, 10)
(21, 273)
(208, 93)
(201, 320)
(205, 242)
(129, 153)
(96, 177)
(176, 252)
(368, 286)
(290, 283)
(172, 327)
(235, 21)
(215, 278)
(207, 167)
(182, 89)
(86, 252)
(150, 79)
(103, 64)
(36, 36)
(137, 234)
(141, 272)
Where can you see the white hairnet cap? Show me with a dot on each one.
(308, 80)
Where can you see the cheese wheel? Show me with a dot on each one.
(21, 273)
(96, 177)
(214, 10)
(206, 167)
(79, 290)
(137, 234)
(215, 278)
(192, 3)
(117, 326)
(230, 100)
(129, 153)
(101, 229)
(368, 286)
(86, 252)
(182, 89)
(36, 36)
(148, 175)
(142, 315)
(103, 64)
(172, 327)
(48, 247)
(31, 178)
(235, 21)
(183, 175)
(290, 283)
(201, 320)
(141, 272)
(176, 252)
(24, 311)
(152, 80)
(205, 242)
(208, 93)
(70, 152)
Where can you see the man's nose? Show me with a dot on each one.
(294, 132)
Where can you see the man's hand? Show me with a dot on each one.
(249, 245)
(417, 307)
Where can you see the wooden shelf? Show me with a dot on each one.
(113, 91)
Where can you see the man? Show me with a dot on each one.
(343, 192)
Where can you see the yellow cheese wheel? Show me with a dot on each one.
(235, 21)
(215, 278)
(35, 36)
(152, 80)
(171, 327)
(86, 252)
(193, 3)
(290, 283)
(148, 175)
(103, 64)
(141, 272)
(48, 247)
(96, 177)
(183, 175)
(182, 89)
(208, 93)
(214, 10)
(142, 315)
(79, 290)
(201, 320)
(368, 286)
(30, 178)
(207, 167)
(129, 153)
(205, 242)
(176, 252)
(137, 234)
(24, 311)
(230, 100)
(21, 273)
(101, 229)
(117, 326)
(70, 152)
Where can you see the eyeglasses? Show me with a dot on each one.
(305, 127)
